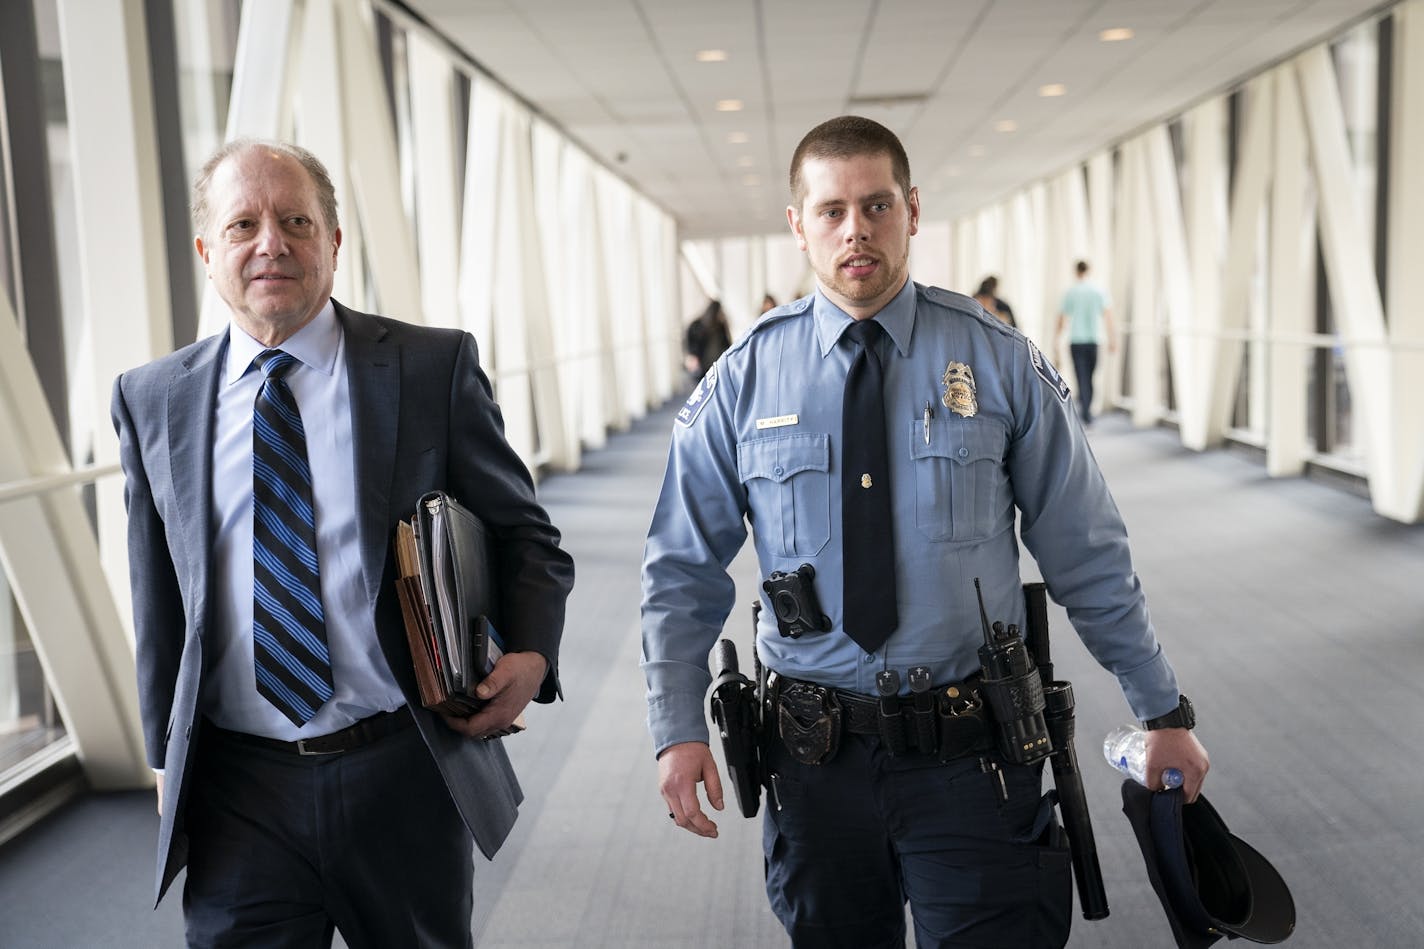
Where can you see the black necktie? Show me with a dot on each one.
(869, 554)
(288, 623)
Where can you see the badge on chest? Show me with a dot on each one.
(960, 395)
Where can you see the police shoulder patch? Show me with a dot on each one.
(697, 401)
(1046, 372)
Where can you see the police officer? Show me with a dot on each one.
(976, 423)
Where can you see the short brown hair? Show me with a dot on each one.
(849, 136)
(325, 192)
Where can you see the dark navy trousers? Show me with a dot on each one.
(849, 842)
(1085, 363)
(285, 849)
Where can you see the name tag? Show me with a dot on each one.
(778, 421)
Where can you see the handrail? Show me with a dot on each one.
(20, 489)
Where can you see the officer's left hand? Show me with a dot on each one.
(1176, 748)
(681, 768)
(510, 686)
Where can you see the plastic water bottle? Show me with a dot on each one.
(1125, 748)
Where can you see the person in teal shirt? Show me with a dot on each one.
(1087, 312)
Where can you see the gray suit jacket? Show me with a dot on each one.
(423, 418)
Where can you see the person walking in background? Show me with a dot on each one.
(768, 303)
(992, 305)
(1087, 312)
(707, 337)
(989, 289)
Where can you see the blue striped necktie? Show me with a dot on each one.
(288, 622)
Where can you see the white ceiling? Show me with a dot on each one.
(621, 77)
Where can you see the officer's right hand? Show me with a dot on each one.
(680, 767)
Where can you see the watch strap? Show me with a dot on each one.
(1183, 716)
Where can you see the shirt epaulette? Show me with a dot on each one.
(965, 305)
(780, 314)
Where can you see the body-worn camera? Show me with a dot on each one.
(794, 603)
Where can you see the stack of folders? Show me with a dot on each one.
(447, 595)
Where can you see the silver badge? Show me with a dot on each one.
(960, 396)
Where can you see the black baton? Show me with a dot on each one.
(1072, 801)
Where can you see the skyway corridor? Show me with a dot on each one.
(1293, 614)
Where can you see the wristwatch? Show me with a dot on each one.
(1183, 716)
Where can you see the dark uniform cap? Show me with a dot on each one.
(1211, 882)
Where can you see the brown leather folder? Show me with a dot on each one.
(446, 594)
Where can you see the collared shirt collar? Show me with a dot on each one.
(897, 318)
(314, 345)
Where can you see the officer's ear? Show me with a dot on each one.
(914, 211)
(793, 219)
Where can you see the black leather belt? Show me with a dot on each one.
(370, 729)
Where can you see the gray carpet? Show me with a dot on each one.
(1292, 613)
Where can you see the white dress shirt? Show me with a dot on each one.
(363, 681)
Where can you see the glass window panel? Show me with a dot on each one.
(205, 32)
(1125, 364)
(1241, 408)
(1342, 434)
(29, 720)
(1356, 58)
(7, 241)
(71, 326)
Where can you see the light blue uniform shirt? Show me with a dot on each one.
(758, 443)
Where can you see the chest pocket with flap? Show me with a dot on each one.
(960, 481)
(787, 478)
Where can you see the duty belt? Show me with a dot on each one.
(949, 720)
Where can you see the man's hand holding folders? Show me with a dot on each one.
(450, 606)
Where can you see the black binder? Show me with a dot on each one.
(449, 601)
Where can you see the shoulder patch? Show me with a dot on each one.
(1046, 372)
(697, 401)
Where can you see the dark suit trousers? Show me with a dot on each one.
(285, 848)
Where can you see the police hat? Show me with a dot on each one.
(1211, 882)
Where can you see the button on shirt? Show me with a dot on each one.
(758, 445)
(364, 684)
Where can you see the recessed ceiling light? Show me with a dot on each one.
(1053, 89)
(729, 105)
(751, 181)
(977, 151)
(738, 138)
(1115, 35)
(711, 55)
(951, 171)
(1006, 125)
(746, 161)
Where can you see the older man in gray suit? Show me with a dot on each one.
(300, 780)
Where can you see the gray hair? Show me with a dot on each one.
(325, 192)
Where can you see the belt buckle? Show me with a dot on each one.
(302, 749)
